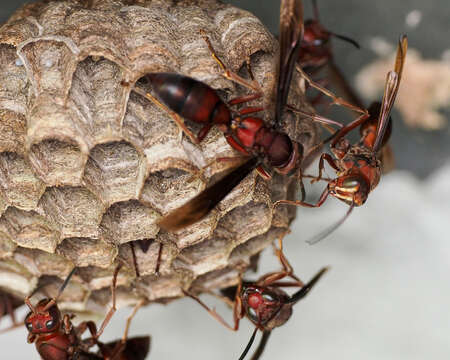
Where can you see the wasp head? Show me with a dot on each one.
(44, 318)
(352, 189)
(266, 307)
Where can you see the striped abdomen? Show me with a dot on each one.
(191, 99)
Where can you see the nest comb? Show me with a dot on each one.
(88, 166)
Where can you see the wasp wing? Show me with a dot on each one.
(291, 34)
(200, 206)
(390, 92)
(135, 348)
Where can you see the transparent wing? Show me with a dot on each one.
(390, 91)
(291, 34)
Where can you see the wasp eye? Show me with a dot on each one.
(268, 297)
(29, 326)
(318, 42)
(252, 314)
(49, 324)
(350, 183)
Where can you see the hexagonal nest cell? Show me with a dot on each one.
(88, 165)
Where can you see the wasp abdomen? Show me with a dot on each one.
(190, 98)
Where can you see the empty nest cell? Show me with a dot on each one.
(98, 99)
(42, 263)
(86, 251)
(58, 162)
(18, 184)
(15, 278)
(75, 209)
(7, 245)
(99, 278)
(245, 222)
(51, 64)
(168, 189)
(30, 230)
(114, 172)
(128, 221)
(243, 252)
(205, 256)
(228, 276)
(151, 129)
(160, 288)
(14, 82)
(12, 131)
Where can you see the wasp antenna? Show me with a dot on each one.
(64, 284)
(307, 287)
(61, 289)
(31, 295)
(328, 231)
(262, 344)
(249, 345)
(316, 10)
(347, 39)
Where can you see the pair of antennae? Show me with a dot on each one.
(53, 300)
(261, 346)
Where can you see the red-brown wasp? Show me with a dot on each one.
(358, 166)
(316, 53)
(265, 145)
(56, 338)
(316, 47)
(263, 302)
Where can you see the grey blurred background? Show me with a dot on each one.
(387, 294)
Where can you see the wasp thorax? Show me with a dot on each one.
(248, 130)
(341, 148)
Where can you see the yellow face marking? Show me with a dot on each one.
(344, 197)
(352, 190)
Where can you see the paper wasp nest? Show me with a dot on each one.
(88, 166)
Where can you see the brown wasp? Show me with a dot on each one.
(56, 338)
(263, 302)
(358, 166)
(316, 53)
(263, 145)
(316, 47)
